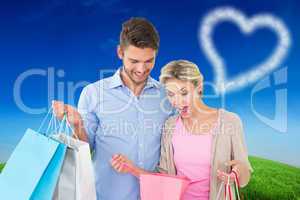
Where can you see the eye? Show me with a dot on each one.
(170, 94)
(149, 61)
(184, 92)
(134, 61)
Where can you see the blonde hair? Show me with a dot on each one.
(182, 70)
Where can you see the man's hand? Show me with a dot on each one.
(73, 116)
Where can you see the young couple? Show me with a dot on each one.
(121, 118)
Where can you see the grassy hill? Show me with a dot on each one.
(271, 180)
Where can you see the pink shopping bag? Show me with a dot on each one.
(156, 186)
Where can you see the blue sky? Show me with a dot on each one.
(80, 38)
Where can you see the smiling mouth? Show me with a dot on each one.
(139, 75)
(184, 109)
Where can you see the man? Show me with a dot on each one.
(123, 114)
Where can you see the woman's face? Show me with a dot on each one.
(183, 95)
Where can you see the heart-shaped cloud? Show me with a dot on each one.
(247, 26)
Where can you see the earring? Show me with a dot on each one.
(200, 93)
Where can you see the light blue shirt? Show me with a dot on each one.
(116, 121)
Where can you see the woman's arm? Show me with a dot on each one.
(123, 165)
(240, 154)
(239, 163)
(166, 162)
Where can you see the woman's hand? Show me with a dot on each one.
(122, 164)
(238, 167)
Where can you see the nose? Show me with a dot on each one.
(140, 68)
(177, 101)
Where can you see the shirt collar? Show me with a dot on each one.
(152, 83)
(116, 81)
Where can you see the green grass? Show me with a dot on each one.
(1, 166)
(272, 180)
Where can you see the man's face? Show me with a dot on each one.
(137, 62)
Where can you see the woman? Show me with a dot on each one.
(201, 143)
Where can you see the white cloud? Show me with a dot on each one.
(247, 26)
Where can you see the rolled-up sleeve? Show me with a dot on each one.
(90, 120)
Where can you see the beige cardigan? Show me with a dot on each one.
(228, 144)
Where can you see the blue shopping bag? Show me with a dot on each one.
(47, 184)
(33, 168)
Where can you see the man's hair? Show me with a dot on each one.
(140, 33)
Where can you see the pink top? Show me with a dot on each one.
(192, 156)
